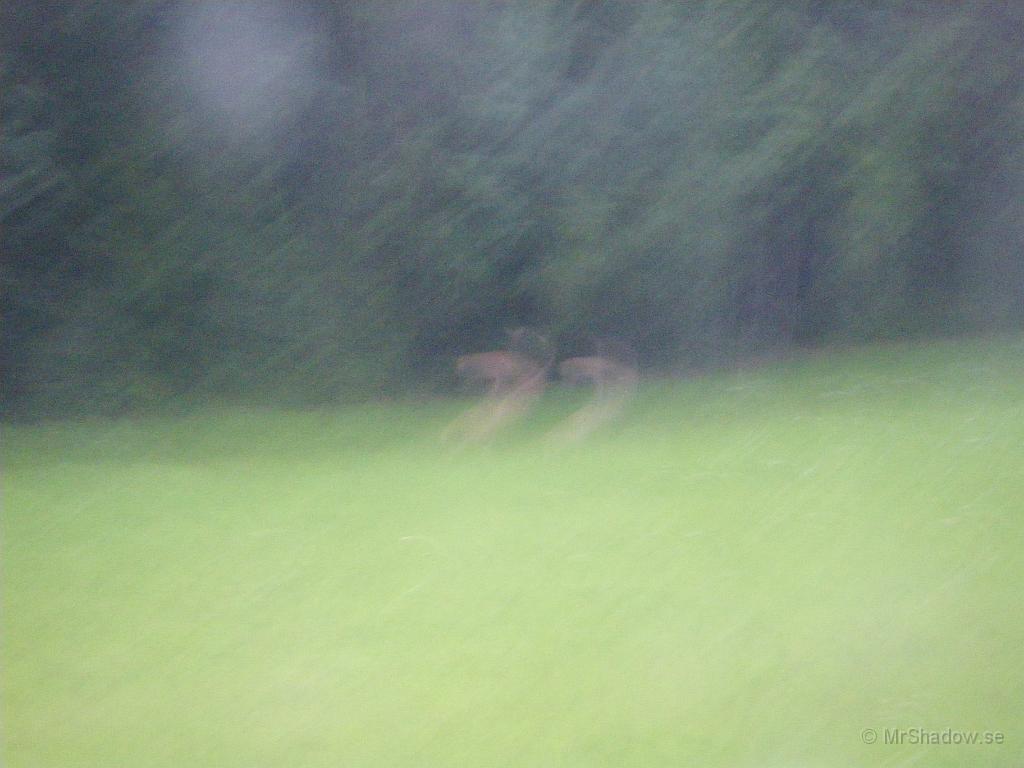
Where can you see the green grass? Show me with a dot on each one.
(748, 570)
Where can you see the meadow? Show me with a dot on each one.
(750, 568)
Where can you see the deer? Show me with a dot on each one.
(514, 380)
(604, 374)
(499, 371)
(613, 375)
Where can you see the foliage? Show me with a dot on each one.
(326, 200)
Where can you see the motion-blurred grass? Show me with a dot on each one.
(751, 568)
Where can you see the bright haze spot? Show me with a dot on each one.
(250, 64)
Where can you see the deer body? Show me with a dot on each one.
(614, 385)
(514, 381)
(502, 372)
(601, 372)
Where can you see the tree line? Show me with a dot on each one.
(317, 201)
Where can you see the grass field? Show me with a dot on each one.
(750, 569)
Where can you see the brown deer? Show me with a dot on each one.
(614, 382)
(603, 374)
(500, 371)
(514, 380)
